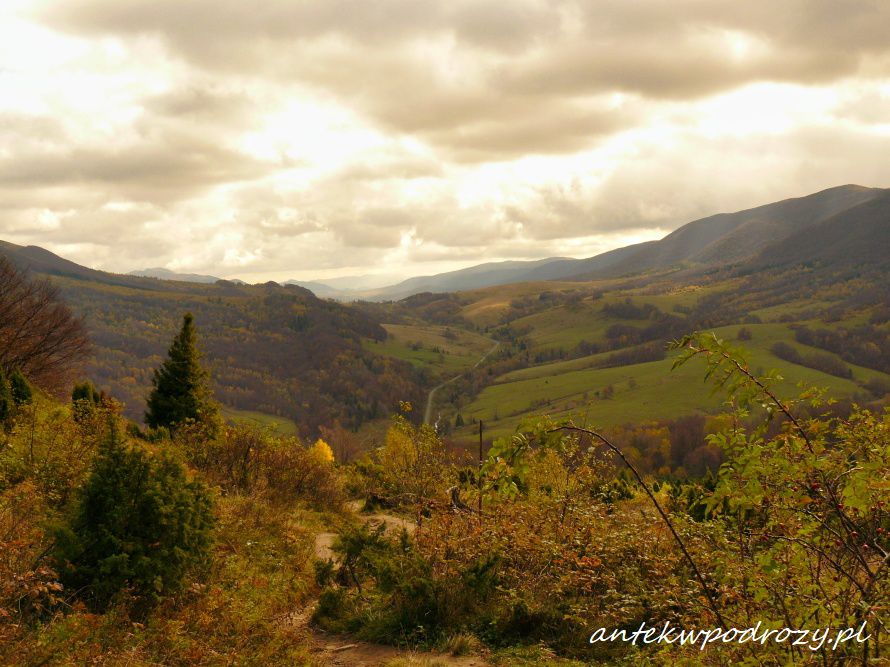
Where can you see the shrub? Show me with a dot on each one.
(85, 391)
(806, 510)
(27, 586)
(460, 644)
(7, 404)
(252, 459)
(322, 451)
(51, 450)
(84, 401)
(234, 458)
(401, 594)
(293, 471)
(412, 468)
(15, 392)
(139, 525)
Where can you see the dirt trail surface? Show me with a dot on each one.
(339, 650)
(428, 413)
(336, 650)
(324, 542)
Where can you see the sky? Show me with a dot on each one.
(311, 139)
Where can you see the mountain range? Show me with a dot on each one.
(165, 274)
(790, 230)
(816, 226)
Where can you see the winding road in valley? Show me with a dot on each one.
(429, 399)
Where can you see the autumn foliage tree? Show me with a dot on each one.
(181, 384)
(39, 335)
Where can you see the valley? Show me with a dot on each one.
(318, 408)
(591, 346)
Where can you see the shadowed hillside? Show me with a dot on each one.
(858, 236)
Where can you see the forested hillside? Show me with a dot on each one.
(275, 350)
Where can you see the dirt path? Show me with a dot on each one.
(427, 414)
(324, 542)
(341, 651)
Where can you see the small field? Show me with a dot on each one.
(444, 351)
(280, 425)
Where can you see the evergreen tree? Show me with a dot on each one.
(181, 385)
(20, 388)
(140, 524)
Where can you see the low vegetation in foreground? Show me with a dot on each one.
(194, 542)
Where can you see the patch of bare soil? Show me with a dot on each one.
(324, 542)
(335, 651)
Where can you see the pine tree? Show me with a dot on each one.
(181, 385)
(140, 525)
(85, 392)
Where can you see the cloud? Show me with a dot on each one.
(203, 103)
(156, 162)
(223, 137)
(482, 80)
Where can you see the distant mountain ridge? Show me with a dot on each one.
(734, 237)
(481, 275)
(166, 274)
(761, 235)
(724, 238)
(321, 290)
(858, 236)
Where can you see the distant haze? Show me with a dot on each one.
(331, 139)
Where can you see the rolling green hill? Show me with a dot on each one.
(440, 350)
(642, 392)
(596, 348)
